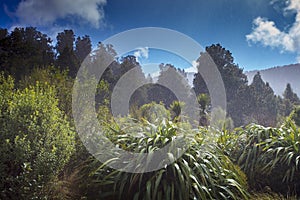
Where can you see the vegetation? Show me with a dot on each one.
(254, 153)
(37, 141)
(271, 157)
(200, 173)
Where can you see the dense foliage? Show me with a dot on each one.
(249, 154)
(203, 171)
(271, 157)
(36, 139)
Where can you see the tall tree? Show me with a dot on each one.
(136, 76)
(66, 58)
(65, 39)
(102, 57)
(290, 95)
(264, 103)
(235, 81)
(83, 46)
(176, 82)
(288, 102)
(24, 49)
(3, 33)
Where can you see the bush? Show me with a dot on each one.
(271, 157)
(203, 171)
(36, 140)
(175, 110)
(154, 113)
(56, 78)
(295, 115)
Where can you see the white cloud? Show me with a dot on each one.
(155, 75)
(46, 12)
(265, 32)
(142, 52)
(268, 34)
(193, 68)
(294, 5)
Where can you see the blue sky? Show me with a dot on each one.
(259, 33)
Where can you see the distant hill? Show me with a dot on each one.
(278, 77)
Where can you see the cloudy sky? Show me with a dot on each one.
(259, 33)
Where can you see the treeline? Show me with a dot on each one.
(254, 103)
(26, 49)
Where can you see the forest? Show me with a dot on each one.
(253, 153)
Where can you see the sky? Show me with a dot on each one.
(259, 33)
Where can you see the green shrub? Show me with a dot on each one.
(154, 113)
(203, 171)
(295, 115)
(175, 110)
(271, 157)
(55, 78)
(269, 195)
(230, 142)
(36, 140)
(220, 120)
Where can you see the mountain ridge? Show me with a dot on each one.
(278, 77)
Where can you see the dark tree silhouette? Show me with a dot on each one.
(24, 49)
(264, 103)
(235, 81)
(290, 95)
(66, 58)
(83, 46)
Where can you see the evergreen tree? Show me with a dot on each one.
(295, 115)
(3, 33)
(288, 102)
(290, 95)
(235, 81)
(65, 40)
(66, 59)
(23, 50)
(264, 103)
(83, 46)
(175, 80)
